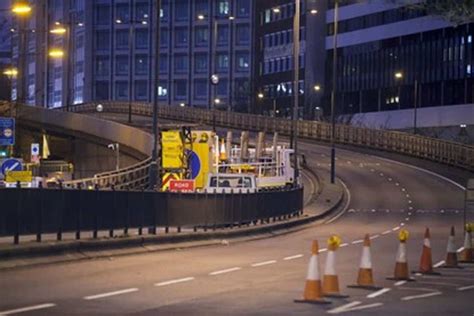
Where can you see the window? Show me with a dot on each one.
(79, 66)
(165, 10)
(200, 63)
(201, 7)
(141, 39)
(141, 90)
(121, 39)
(80, 41)
(122, 12)
(222, 87)
(181, 37)
(164, 39)
(222, 62)
(163, 90)
(181, 10)
(121, 90)
(181, 87)
(102, 15)
(163, 63)
(121, 65)
(243, 34)
(101, 90)
(222, 35)
(242, 61)
(202, 36)
(223, 7)
(102, 67)
(103, 40)
(181, 63)
(141, 65)
(200, 89)
(243, 8)
(141, 11)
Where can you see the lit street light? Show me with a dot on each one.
(399, 76)
(317, 88)
(56, 53)
(333, 93)
(21, 8)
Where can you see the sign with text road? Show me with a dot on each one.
(7, 131)
(182, 185)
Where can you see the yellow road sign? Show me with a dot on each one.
(22, 176)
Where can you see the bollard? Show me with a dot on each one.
(96, 223)
(59, 235)
(40, 214)
(78, 220)
(167, 229)
(179, 229)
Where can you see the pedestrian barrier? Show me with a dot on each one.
(42, 211)
(437, 150)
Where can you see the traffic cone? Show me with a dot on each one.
(312, 290)
(330, 278)
(426, 261)
(401, 265)
(222, 151)
(467, 254)
(452, 255)
(365, 279)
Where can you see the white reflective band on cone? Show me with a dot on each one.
(402, 253)
(427, 243)
(451, 247)
(330, 268)
(313, 269)
(365, 261)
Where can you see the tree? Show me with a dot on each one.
(454, 11)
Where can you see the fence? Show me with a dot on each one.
(57, 211)
(437, 150)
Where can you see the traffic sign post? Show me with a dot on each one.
(7, 131)
(35, 149)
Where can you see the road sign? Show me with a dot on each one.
(22, 176)
(11, 165)
(182, 185)
(35, 151)
(7, 131)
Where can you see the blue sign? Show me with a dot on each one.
(11, 165)
(7, 131)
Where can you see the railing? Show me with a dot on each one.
(58, 211)
(437, 150)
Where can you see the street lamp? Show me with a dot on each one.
(399, 76)
(21, 8)
(56, 53)
(317, 88)
(333, 93)
(296, 90)
(115, 147)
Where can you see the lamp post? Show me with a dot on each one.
(154, 179)
(296, 89)
(333, 93)
(399, 76)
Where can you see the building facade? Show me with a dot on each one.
(384, 50)
(109, 51)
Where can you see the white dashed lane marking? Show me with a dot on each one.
(400, 283)
(225, 271)
(175, 281)
(465, 288)
(357, 241)
(293, 257)
(386, 232)
(103, 295)
(378, 293)
(27, 309)
(264, 263)
(396, 228)
(414, 297)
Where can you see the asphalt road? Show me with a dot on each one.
(263, 277)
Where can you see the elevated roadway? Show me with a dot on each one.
(263, 277)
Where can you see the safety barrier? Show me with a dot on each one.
(41, 211)
(437, 150)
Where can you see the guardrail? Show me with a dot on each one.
(58, 211)
(437, 150)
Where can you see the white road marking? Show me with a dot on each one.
(293, 257)
(460, 249)
(402, 224)
(396, 228)
(397, 184)
(407, 218)
(410, 201)
(409, 213)
(174, 281)
(375, 236)
(348, 202)
(353, 306)
(97, 296)
(413, 297)
(357, 241)
(372, 170)
(264, 263)
(27, 309)
(464, 288)
(344, 245)
(225, 271)
(386, 232)
(439, 264)
(400, 283)
(408, 195)
(438, 283)
(403, 189)
(379, 292)
(323, 249)
(389, 179)
(381, 174)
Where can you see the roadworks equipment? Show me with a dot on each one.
(467, 254)
(452, 255)
(330, 279)
(426, 260)
(313, 291)
(222, 151)
(401, 265)
(365, 279)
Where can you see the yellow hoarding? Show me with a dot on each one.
(22, 176)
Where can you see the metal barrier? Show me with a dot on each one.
(41, 211)
(437, 150)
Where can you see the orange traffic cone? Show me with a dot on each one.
(312, 290)
(222, 151)
(452, 255)
(467, 254)
(401, 265)
(365, 279)
(330, 279)
(426, 261)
